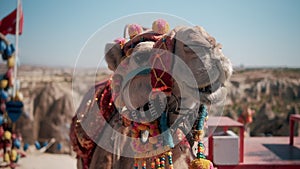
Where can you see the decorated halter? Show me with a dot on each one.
(162, 60)
(153, 139)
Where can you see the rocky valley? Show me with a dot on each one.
(51, 96)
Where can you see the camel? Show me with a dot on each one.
(151, 102)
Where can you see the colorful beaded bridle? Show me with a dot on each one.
(161, 81)
(145, 134)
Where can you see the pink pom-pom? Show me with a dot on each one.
(120, 40)
(160, 26)
(134, 29)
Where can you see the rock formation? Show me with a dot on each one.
(49, 107)
(273, 93)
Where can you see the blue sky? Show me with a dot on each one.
(253, 32)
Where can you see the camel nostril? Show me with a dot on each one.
(206, 90)
(210, 88)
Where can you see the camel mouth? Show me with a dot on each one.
(210, 88)
(215, 97)
(212, 93)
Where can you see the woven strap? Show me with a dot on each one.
(162, 62)
(148, 36)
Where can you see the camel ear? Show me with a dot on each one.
(113, 55)
(207, 36)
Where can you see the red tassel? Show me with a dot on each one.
(106, 102)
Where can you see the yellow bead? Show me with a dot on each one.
(6, 158)
(11, 62)
(7, 135)
(4, 83)
(142, 127)
(19, 96)
(200, 163)
(144, 164)
(153, 165)
(14, 155)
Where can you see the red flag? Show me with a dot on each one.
(8, 23)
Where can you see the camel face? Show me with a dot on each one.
(134, 71)
(209, 67)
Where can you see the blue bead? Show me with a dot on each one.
(3, 95)
(167, 137)
(59, 146)
(1, 119)
(9, 50)
(2, 46)
(45, 143)
(17, 143)
(26, 146)
(202, 115)
(37, 145)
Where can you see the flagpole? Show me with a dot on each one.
(17, 48)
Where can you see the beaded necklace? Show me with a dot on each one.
(200, 162)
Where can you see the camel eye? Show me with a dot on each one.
(141, 57)
(187, 48)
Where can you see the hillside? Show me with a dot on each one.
(274, 94)
(49, 95)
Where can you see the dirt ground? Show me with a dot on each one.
(47, 161)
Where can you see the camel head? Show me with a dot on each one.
(161, 79)
(178, 71)
(195, 64)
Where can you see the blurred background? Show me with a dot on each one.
(261, 38)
